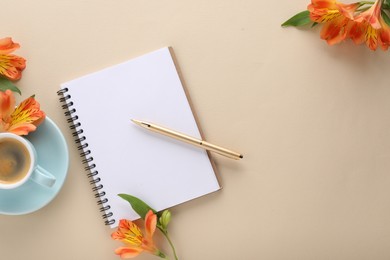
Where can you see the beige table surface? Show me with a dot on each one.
(312, 121)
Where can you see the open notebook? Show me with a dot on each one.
(122, 157)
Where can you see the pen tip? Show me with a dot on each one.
(140, 123)
(241, 156)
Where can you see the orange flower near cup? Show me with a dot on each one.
(11, 66)
(136, 242)
(20, 120)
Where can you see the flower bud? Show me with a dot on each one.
(165, 219)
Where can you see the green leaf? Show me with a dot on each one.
(299, 19)
(7, 84)
(386, 18)
(138, 205)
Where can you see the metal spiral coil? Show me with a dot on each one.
(85, 153)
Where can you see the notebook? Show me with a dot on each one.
(122, 157)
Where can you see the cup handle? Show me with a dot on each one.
(43, 177)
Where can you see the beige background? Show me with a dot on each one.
(312, 121)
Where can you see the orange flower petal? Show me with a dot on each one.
(7, 45)
(26, 117)
(22, 120)
(18, 62)
(356, 33)
(22, 129)
(7, 104)
(124, 224)
(324, 4)
(371, 38)
(347, 10)
(384, 35)
(27, 112)
(11, 66)
(150, 223)
(324, 11)
(117, 235)
(372, 15)
(130, 234)
(335, 31)
(320, 15)
(127, 252)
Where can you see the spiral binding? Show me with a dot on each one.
(85, 153)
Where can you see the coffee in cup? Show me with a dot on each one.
(19, 162)
(15, 161)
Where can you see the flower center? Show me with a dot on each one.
(330, 15)
(133, 236)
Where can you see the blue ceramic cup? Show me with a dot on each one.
(19, 162)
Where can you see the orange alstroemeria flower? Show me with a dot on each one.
(20, 120)
(11, 66)
(337, 18)
(369, 27)
(137, 242)
(372, 15)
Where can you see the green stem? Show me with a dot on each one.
(170, 242)
(165, 232)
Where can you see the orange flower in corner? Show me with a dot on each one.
(363, 22)
(369, 27)
(137, 242)
(22, 119)
(337, 18)
(11, 66)
(371, 15)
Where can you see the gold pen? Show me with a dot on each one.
(189, 139)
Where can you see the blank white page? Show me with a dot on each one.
(129, 159)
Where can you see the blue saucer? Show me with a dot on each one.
(53, 156)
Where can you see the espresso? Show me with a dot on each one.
(15, 161)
